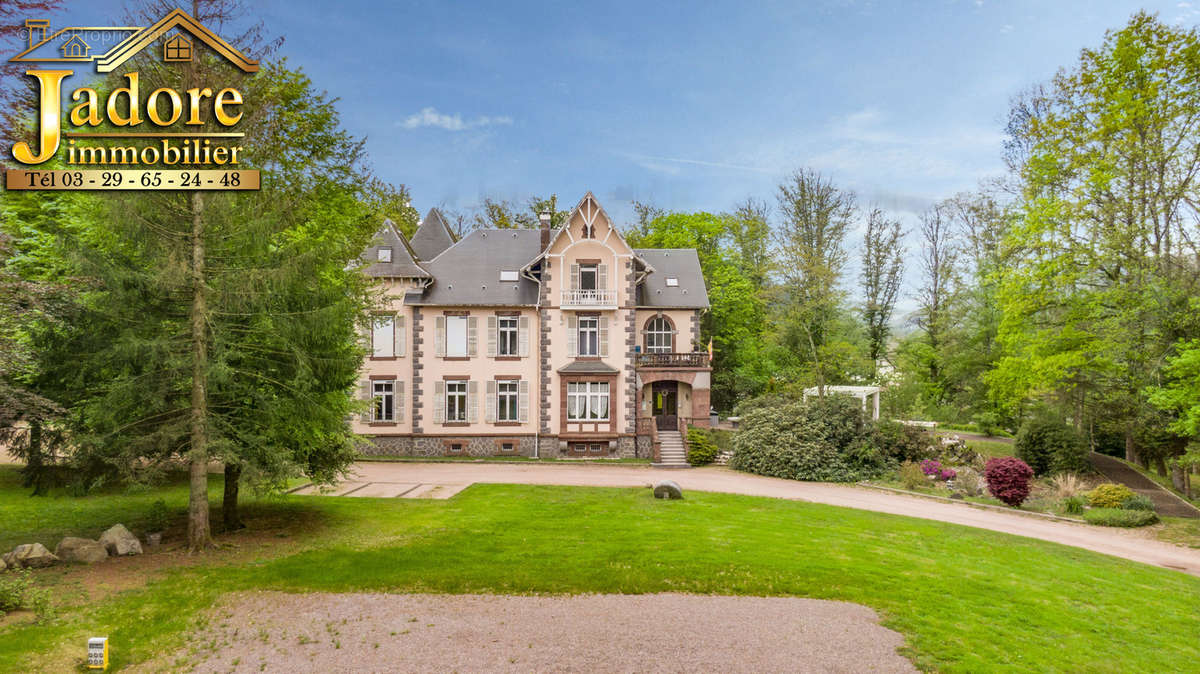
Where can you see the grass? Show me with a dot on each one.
(965, 599)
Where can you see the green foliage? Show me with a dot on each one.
(905, 443)
(1138, 502)
(1050, 447)
(1074, 505)
(988, 423)
(18, 591)
(911, 475)
(823, 439)
(158, 517)
(702, 449)
(1115, 517)
(1109, 495)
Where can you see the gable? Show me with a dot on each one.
(588, 225)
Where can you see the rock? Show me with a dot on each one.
(118, 541)
(30, 556)
(667, 489)
(3, 564)
(957, 496)
(80, 550)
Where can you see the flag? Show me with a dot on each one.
(710, 350)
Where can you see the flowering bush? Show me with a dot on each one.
(931, 467)
(948, 474)
(1109, 495)
(1008, 479)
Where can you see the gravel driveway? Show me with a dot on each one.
(275, 632)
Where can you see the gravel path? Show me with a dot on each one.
(277, 632)
(1129, 544)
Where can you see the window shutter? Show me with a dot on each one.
(400, 336)
(472, 324)
(368, 395)
(603, 336)
(523, 337)
(493, 326)
(399, 402)
(523, 400)
(490, 403)
(473, 402)
(572, 336)
(602, 277)
(574, 277)
(439, 337)
(439, 402)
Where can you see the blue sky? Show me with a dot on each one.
(690, 106)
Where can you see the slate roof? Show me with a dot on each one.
(679, 263)
(587, 367)
(468, 273)
(433, 236)
(402, 265)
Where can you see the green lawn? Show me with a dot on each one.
(965, 599)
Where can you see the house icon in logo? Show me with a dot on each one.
(69, 45)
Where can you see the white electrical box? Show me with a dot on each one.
(98, 653)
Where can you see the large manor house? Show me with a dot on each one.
(550, 342)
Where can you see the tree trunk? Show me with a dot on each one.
(199, 532)
(1160, 466)
(229, 501)
(1179, 479)
(1131, 454)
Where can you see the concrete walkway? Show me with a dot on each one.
(1130, 544)
(1165, 503)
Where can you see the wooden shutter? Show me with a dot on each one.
(523, 337)
(493, 326)
(490, 403)
(401, 341)
(439, 337)
(369, 395)
(574, 277)
(602, 277)
(473, 402)
(572, 336)
(472, 324)
(439, 402)
(523, 401)
(603, 336)
(398, 402)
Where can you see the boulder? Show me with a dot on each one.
(667, 489)
(118, 541)
(80, 550)
(30, 556)
(3, 564)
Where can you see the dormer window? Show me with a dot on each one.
(672, 282)
(385, 254)
(508, 275)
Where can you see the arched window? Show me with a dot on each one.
(659, 335)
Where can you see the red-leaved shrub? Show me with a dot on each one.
(1008, 479)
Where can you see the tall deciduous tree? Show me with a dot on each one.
(882, 274)
(936, 295)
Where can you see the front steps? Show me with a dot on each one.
(672, 450)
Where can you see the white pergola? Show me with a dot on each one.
(860, 392)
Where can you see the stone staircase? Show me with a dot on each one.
(673, 452)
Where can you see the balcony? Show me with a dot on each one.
(589, 299)
(696, 359)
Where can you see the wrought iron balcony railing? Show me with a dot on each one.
(694, 359)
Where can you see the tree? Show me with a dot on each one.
(882, 273)
(810, 242)
(936, 295)
(499, 214)
(16, 91)
(751, 232)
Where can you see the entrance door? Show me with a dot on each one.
(666, 405)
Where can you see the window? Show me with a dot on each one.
(506, 337)
(587, 401)
(508, 275)
(672, 281)
(658, 335)
(456, 336)
(584, 448)
(178, 48)
(384, 392)
(385, 254)
(383, 337)
(587, 276)
(506, 400)
(589, 335)
(456, 401)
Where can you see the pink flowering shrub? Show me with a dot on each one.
(931, 467)
(1008, 479)
(948, 474)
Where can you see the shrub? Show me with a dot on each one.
(1050, 446)
(1074, 505)
(1008, 480)
(904, 443)
(911, 475)
(1138, 502)
(988, 423)
(969, 481)
(956, 450)
(947, 474)
(824, 439)
(931, 467)
(702, 450)
(17, 591)
(158, 518)
(1109, 495)
(1115, 517)
(1066, 485)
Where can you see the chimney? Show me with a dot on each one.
(36, 28)
(544, 222)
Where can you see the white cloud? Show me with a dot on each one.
(431, 117)
(670, 165)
